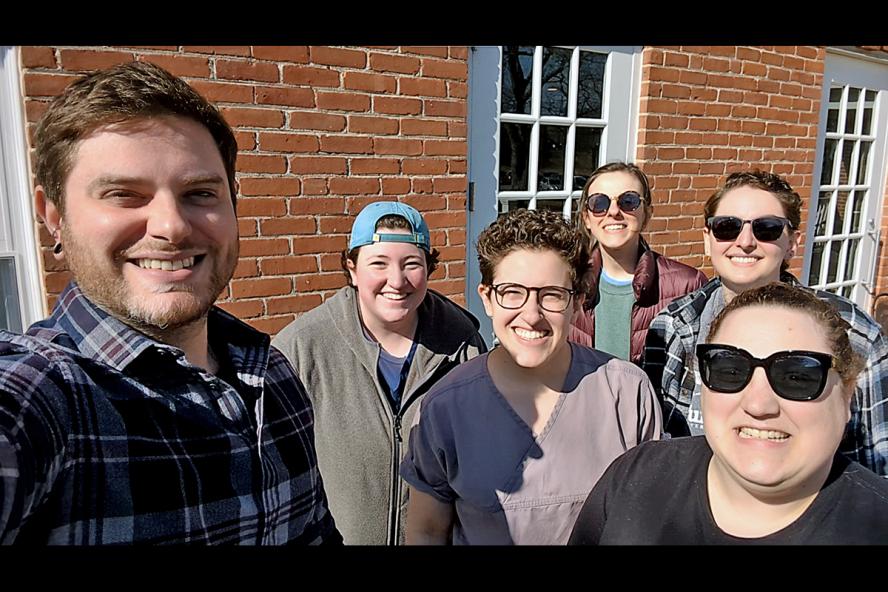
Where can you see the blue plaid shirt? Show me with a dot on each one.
(671, 364)
(109, 437)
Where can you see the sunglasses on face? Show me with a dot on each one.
(796, 375)
(766, 228)
(599, 203)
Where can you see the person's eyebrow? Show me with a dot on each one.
(106, 181)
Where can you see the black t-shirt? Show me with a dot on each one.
(656, 494)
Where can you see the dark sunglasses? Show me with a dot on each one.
(599, 203)
(796, 375)
(766, 228)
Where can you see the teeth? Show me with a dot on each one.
(763, 434)
(744, 259)
(615, 227)
(525, 334)
(166, 264)
(389, 296)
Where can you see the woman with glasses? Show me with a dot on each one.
(627, 283)
(778, 375)
(751, 233)
(509, 444)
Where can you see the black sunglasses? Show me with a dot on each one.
(796, 375)
(766, 228)
(599, 203)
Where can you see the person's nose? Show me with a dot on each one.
(746, 239)
(758, 398)
(532, 311)
(167, 218)
(396, 277)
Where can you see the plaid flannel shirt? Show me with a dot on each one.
(671, 364)
(110, 437)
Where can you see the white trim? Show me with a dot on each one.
(14, 149)
(857, 55)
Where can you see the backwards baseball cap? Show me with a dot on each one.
(364, 229)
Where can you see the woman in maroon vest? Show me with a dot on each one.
(628, 283)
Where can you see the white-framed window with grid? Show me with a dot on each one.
(844, 227)
(541, 119)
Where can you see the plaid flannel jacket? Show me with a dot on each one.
(110, 437)
(671, 365)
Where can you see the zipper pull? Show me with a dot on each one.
(398, 428)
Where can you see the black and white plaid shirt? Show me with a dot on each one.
(109, 437)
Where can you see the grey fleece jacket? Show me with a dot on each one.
(360, 441)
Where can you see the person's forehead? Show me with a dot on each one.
(391, 249)
(765, 329)
(545, 265)
(746, 199)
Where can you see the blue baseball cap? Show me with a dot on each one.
(364, 228)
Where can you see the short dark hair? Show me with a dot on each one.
(848, 363)
(390, 222)
(536, 230)
(138, 90)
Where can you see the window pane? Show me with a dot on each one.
(517, 78)
(829, 155)
(591, 84)
(856, 207)
(835, 103)
(514, 155)
(556, 81)
(839, 216)
(10, 313)
(846, 290)
(862, 161)
(868, 105)
(853, 246)
(851, 113)
(846, 176)
(552, 142)
(587, 145)
(822, 213)
(556, 205)
(816, 258)
(835, 249)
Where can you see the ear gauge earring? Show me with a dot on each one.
(57, 247)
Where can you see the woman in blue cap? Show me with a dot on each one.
(366, 356)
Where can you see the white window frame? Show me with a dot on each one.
(18, 234)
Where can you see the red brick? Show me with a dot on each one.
(34, 109)
(260, 207)
(384, 62)
(370, 82)
(395, 186)
(269, 186)
(223, 92)
(670, 153)
(288, 265)
(740, 140)
(423, 127)
(324, 281)
(179, 65)
(56, 281)
(457, 90)
(429, 50)
(667, 106)
(652, 56)
(445, 147)
(347, 144)
(691, 77)
(271, 325)
(317, 205)
(289, 225)
(445, 108)
(418, 185)
(244, 70)
(319, 244)
(422, 87)
(46, 85)
(288, 142)
(336, 225)
(343, 101)
(316, 121)
(426, 203)
(231, 50)
(459, 52)
(397, 105)
(457, 129)
(752, 127)
(729, 125)
(444, 69)
(246, 141)
(445, 219)
(365, 166)
(331, 56)
(317, 186)
(243, 309)
(449, 184)
(691, 108)
(317, 164)
(675, 59)
(456, 236)
(246, 267)
(716, 64)
(688, 138)
(677, 91)
(424, 166)
(703, 124)
(354, 186)
(457, 166)
(38, 57)
(372, 125)
(297, 303)
(247, 117)
(747, 53)
(717, 110)
(281, 53)
(261, 163)
(311, 76)
(793, 63)
(397, 146)
(290, 96)
(332, 262)
(88, 60)
(262, 247)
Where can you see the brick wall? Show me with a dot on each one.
(709, 111)
(322, 131)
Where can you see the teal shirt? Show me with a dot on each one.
(613, 316)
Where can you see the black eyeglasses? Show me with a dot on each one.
(599, 203)
(551, 298)
(796, 375)
(766, 228)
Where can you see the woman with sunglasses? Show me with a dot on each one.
(752, 231)
(509, 444)
(627, 283)
(778, 376)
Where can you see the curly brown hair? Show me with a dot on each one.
(848, 363)
(138, 90)
(535, 230)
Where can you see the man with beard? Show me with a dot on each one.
(138, 412)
